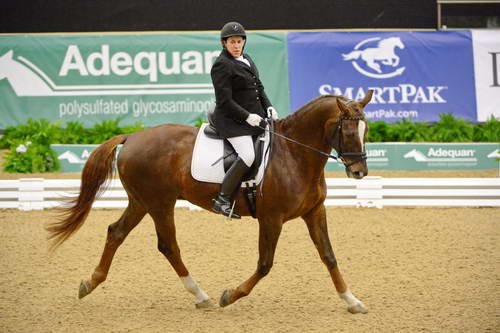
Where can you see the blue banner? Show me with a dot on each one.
(414, 74)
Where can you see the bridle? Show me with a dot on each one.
(341, 154)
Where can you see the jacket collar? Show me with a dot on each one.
(251, 69)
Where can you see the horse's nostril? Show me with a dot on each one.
(358, 174)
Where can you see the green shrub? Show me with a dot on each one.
(29, 143)
(451, 129)
(28, 157)
(40, 131)
(104, 130)
(200, 120)
(408, 131)
(136, 127)
(74, 133)
(380, 131)
(488, 131)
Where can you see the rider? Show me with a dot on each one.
(241, 105)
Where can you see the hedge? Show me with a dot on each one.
(29, 144)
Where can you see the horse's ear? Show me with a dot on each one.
(341, 106)
(367, 98)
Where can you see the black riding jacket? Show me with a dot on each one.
(238, 92)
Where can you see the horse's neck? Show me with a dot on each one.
(308, 163)
(307, 127)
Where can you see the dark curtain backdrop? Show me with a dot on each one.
(18, 16)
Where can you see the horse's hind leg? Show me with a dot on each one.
(117, 232)
(316, 223)
(167, 245)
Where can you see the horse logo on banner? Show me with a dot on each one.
(373, 57)
(71, 157)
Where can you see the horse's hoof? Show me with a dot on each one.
(358, 308)
(85, 289)
(206, 304)
(225, 299)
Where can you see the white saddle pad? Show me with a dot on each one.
(207, 150)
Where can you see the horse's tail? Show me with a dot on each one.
(97, 170)
(353, 55)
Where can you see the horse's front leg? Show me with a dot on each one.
(269, 233)
(318, 230)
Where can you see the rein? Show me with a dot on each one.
(341, 154)
(299, 143)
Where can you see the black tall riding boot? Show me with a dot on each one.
(232, 180)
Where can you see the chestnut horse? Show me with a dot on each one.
(154, 168)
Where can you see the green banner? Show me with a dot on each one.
(73, 157)
(381, 156)
(154, 78)
(429, 156)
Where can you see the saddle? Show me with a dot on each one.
(230, 155)
(213, 156)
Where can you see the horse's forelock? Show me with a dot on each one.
(352, 110)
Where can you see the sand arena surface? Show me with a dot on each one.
(417, 269)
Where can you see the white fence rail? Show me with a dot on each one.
(39, 193)
(446, 192)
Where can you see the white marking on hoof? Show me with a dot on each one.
(358, 308)
(354, 305)
(193, 288)
(205, 305)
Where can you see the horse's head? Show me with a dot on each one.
(348, 135)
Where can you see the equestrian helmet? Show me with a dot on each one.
(232, 29)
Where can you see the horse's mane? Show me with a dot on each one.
(311, 104)
(293, 118)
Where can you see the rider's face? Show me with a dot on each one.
(234, 45)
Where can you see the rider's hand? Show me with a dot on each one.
(253, 119)
(272, 113)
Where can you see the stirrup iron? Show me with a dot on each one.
(231, 212)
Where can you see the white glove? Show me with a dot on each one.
(272, 113)
(253, 119)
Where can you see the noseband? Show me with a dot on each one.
(361, 156)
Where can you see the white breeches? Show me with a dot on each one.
(244, 148)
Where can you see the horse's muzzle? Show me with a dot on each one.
(357, 170)
(356, 174)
